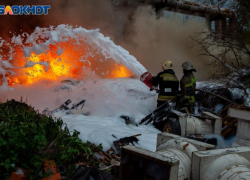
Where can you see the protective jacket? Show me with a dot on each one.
(168, 84)
(188, 84)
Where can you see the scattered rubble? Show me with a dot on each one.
(125, 141)
(64, 108)
(91, 162)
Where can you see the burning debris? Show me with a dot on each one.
(51, 54)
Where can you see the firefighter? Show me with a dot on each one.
(188, 84)
(167, 82)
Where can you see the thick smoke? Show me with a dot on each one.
(149, 39)
(153, 40)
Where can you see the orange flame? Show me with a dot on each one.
(121, 71)
(71, 63)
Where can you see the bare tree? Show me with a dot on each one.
(230, 51)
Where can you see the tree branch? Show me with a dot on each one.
(212, 55)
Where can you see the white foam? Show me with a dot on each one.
(106, 101)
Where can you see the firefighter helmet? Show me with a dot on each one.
(188, 66)
(167, 65)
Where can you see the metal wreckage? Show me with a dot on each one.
(186, 148)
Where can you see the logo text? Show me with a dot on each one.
(24, 10)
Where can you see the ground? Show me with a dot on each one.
(106, 101)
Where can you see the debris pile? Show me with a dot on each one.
(28, 138)
(166, 118)
(64, 107)
(220, 100)
(230, 123)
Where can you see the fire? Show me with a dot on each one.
(47, 66)
(121, 71)
(72, 62)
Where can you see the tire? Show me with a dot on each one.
(172, 126)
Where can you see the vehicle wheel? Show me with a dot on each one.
(172, 126)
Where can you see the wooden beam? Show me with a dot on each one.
(240, 114)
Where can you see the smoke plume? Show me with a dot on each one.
(153, 40)
(149, 39)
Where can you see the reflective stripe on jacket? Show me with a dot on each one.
(168, 85)
(188, 84)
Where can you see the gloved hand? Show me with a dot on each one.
(154, 89)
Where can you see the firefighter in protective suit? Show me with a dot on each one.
(188, 85)
(168, 83)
